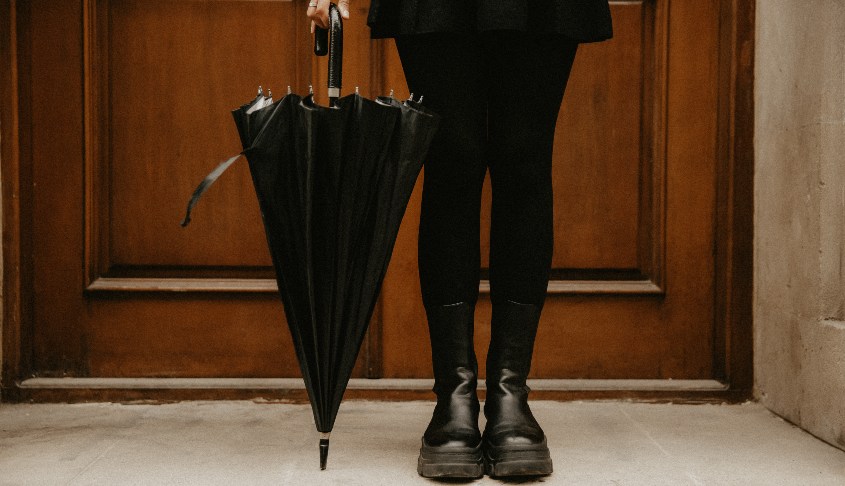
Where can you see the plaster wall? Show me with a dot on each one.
(1, 295)
(2, 313)
(799, 301)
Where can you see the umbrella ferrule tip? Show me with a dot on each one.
(324, 452)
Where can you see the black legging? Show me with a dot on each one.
(499, 94)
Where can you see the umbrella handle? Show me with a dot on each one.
(333, 46)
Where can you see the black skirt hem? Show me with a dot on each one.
(381, 32)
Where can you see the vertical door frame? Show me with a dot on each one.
(734, 272)
(15, 341)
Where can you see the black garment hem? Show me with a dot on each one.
(378, 32)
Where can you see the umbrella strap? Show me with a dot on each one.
(205, 184)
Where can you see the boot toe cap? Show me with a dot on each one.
(515, 437)
(460, 438)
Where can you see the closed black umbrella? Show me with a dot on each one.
(333, 184)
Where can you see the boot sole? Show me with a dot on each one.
(452, 462)
(533, 460)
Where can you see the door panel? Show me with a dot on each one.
(125, 106)
(174, 71)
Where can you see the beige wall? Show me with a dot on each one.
(2, 293)
(799, 301)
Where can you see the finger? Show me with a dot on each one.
(320, 21)
(343, 6)
(317, 21)
(312, 14)
(318, 12)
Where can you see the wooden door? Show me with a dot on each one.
(123, 105)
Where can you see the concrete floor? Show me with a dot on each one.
(376, 443)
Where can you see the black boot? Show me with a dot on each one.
(451, 446)
(513, 443)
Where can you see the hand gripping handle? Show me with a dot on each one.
(333, 46)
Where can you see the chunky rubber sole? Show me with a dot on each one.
(450, 462)
(528, 460)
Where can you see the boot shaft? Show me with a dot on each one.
(451, 328)
(513, 331)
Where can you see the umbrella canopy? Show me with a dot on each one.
(333, 184)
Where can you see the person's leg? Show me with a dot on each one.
(528, 75)
(446, 69)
